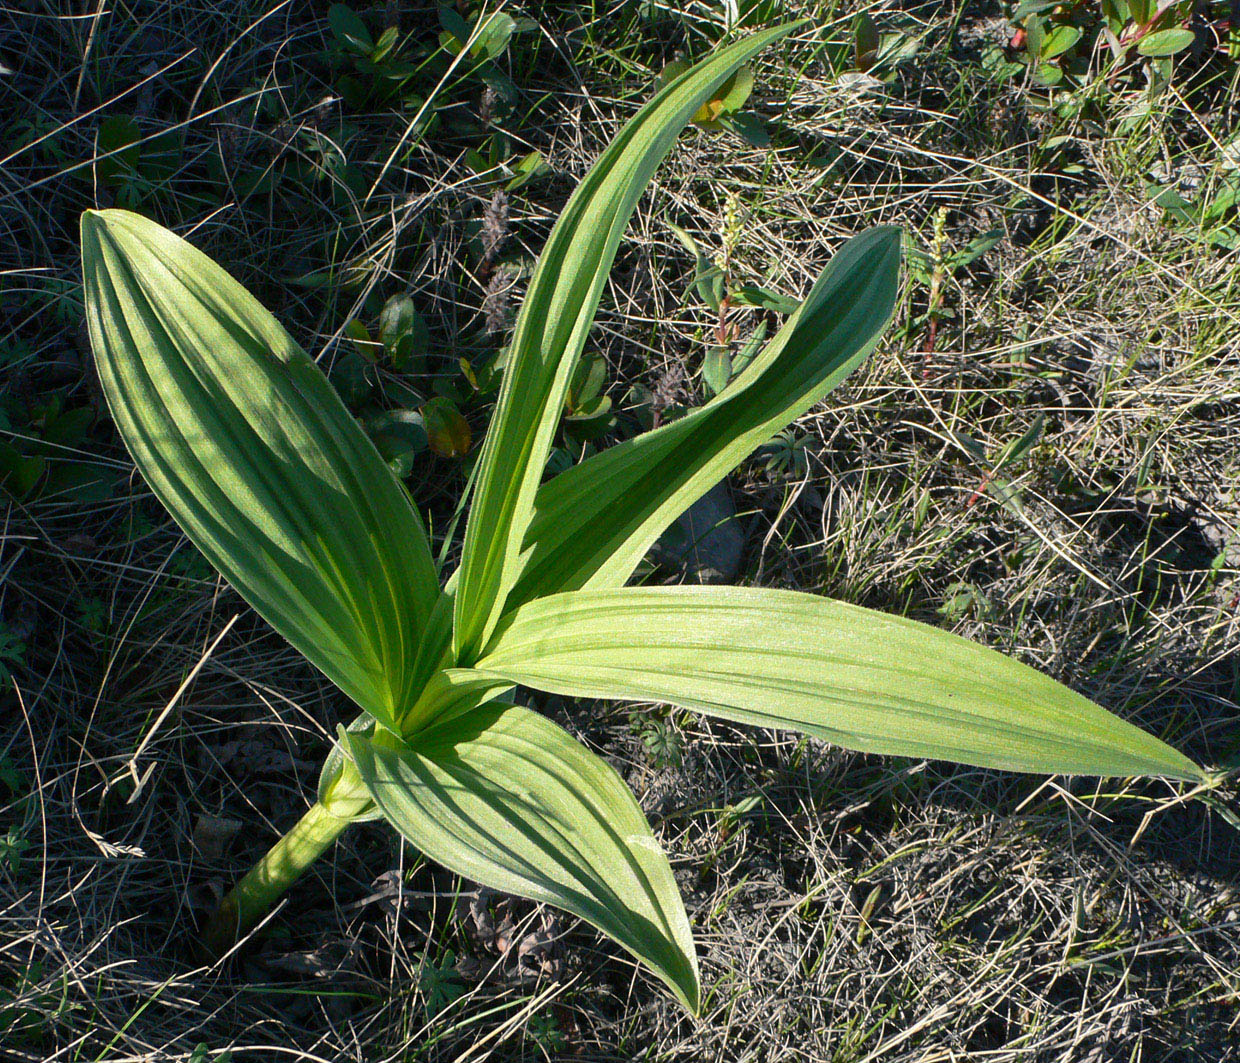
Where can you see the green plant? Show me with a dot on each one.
(936, 266)
(48, 456)
(203, 1054)
(440, 983)
(246, 443)
(713, 282)
(723, 109)
(12, 651)
(1069, 42)
(133, 166)
(1210, 214)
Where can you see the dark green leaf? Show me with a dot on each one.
(349, 30)
(865, 41)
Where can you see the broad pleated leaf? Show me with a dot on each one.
(594, 522)
(551, 330)
(503, 796)
(245, 442)
(861, 679)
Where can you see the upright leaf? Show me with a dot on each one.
(503, 796)
(861, 679)
(551, 329)
(245, 442)
(594, 522)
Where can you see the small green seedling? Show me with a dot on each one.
(246, 443)
(934, 268)
(369, 70)
(401, 434)
(49, 456)
(713, 282)
(133, 166)
(993, 482)
(723, 110)
(587, 410)
(1210, 214)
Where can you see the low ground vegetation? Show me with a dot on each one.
(1041, 456)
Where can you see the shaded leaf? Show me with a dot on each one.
(705, 271)
(242, 438)
(349, 30)
(749, 127)
(728, 98)
(1143, 11)
(865, 41)
(717, 369)
(765, 298)
(527, 168)
(447, 431)
(359, 334)
(506, 798)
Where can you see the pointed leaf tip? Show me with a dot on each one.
(503, 796)
(860, 679)
(551, 331)
(247, 445)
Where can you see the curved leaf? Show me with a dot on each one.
(245, 442)
(503, 796)
(595, 521)
(861, 679)
(1166, 42)
(551, 330)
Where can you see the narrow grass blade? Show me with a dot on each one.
(861, 679)
(594, 522)
(551, 331)
(503, 796)
(245, 442)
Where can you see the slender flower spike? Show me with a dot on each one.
(244, 441)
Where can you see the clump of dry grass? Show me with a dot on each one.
(849, 908)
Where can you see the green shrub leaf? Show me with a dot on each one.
(551, 330)
(503, 796)
(1166, 42)
(245, 442)
(861, 679)
(1058, 41)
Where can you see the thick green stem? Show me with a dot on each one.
(285, 862)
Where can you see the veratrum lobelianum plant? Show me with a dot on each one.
(245, 442)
